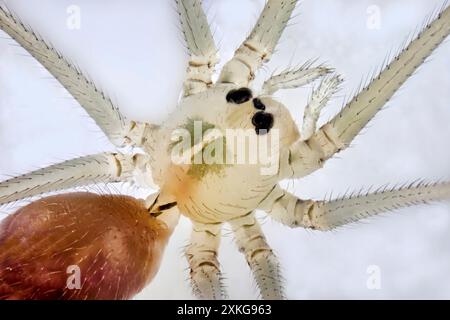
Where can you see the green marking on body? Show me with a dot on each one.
(200, 170)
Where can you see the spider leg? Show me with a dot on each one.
(99, 107)
(296, 78)
(260, 257)
(100, 168)
(200, 42)
(336, 135)
(206, 279)
(318, 101)
(327, 215)
(261, 43)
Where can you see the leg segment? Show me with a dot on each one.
(337, 134)
(323, 215)
(292, 79)
(260, 257)
(202, 49)
(349, 122)
(261, 43)
(319, 100)
(93, 100)
(206, 279)
(105, 167)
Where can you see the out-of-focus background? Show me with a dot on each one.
(135, 51)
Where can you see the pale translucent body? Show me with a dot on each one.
(231, 193)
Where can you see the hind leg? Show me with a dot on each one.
(337, 134)
(260, 257)
(206, 278)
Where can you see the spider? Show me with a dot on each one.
(229, 191)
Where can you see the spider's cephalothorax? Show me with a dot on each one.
(235, 120)
(223, 151)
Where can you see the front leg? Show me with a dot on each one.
(260, 257)
(260, 45)
(201, 46)
(206, 278)
(291, 211)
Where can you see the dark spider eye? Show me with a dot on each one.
(263, 122)
(239, 96)
(258, 104)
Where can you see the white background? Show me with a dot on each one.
(133, 49)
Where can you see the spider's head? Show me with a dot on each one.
(230, 128)
(262, 114)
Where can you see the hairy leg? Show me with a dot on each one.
(261, 43)
(260, 257)
(336, 135)
(100, 168)
(200, 42)
(318, 101)
(327, 215)
(295, 78)
(99, 107)
(206, 278)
